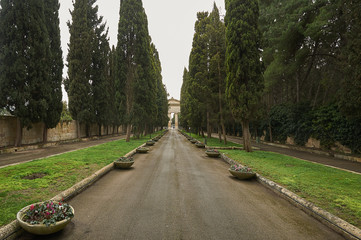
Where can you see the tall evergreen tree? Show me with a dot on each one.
(198, 74)
(114, 116)
(161, 92)
(78, 85)
(134, 82)
(100, 54)
(54, 95)
(244, 68)
(217, 70)
(24, 68)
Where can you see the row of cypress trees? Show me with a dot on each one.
(31, 62)
(118, 86)
(224, 82)
(107, 86)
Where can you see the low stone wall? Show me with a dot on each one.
(62, 132)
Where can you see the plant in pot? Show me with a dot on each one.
(241, 172)
(124, 162)
(150, 143)
(193, 141)
(212, 153)
(45, 217)
(142, 150)
(200, 145)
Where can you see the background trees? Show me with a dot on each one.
(202, 93)
(29, 68)
(138, 71)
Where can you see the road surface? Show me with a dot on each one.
(176, 192)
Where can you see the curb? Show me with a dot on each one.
(339, 225)
(13, 229)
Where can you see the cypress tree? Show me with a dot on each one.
(54, 96)
(244, 68)
(99, 70)
(24, 68)
(217, 71)
(161, 92)
(134, 86)
(198, 74)
(78, 83)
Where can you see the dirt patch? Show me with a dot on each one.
(35, 176)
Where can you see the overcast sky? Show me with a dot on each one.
(171, 26)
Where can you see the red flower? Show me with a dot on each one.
(32, 207)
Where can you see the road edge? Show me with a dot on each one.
(339, 225)
(13, 229)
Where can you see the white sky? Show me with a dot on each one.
(171, 26)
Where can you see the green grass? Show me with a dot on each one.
(336, 191)
(60, 173)
(214, 142)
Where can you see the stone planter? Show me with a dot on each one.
(41, 229)
(150, 143)
(213, 154)
(193, 141)
(142, 150)
(123, 165)
(200, 145)
(242, 175)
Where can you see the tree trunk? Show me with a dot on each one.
(219, 134)
(78, 129)
(209, 128)
(270, 132)
(87, 130)
(19, 133)
(246, 136)
(45, 134)
(99, 130)
(129, 128)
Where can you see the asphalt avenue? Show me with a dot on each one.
(177, 192)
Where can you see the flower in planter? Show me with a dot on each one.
(211, 150)
(48, 213)
(244, 169)
(125, 159)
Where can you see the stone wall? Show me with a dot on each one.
(62, 132)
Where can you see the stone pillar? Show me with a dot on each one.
(170, 121)
(176, 120)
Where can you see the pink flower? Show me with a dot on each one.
(48, 206)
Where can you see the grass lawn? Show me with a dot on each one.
(57, 174)
(336, 191)
(214, 142)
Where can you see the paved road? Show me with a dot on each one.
(23, 156)
(176, 192)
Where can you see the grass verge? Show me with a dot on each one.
(213, 142)
(336, 191)
(40, 180)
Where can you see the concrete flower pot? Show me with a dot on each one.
(142, 150)
(200, 145)
(213, 154)
(242, 175)
(41, 229)
(150, 143)
(123, 165)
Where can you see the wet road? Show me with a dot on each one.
(176, 192)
